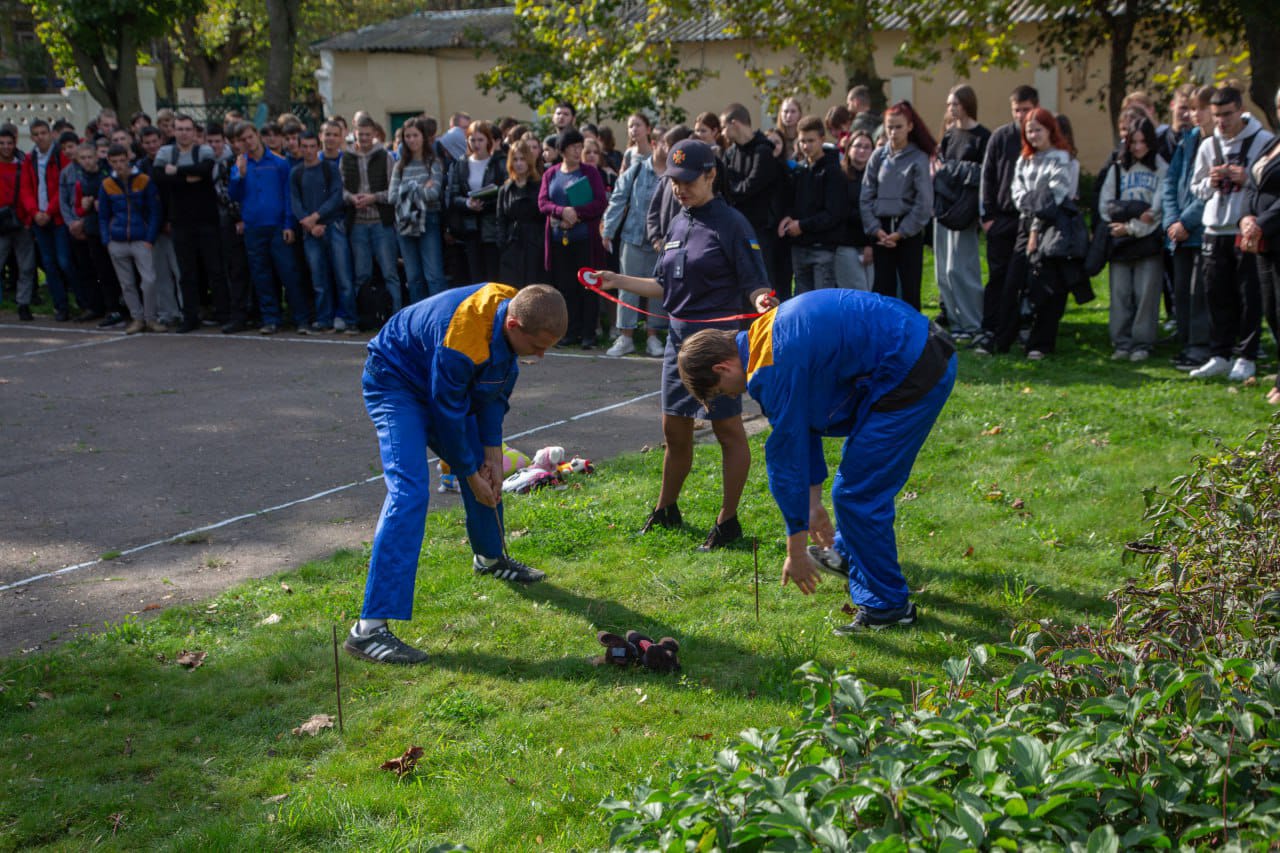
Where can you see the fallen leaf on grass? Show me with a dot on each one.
(995, 430)
(288, 589)
(1026, 389)
(509, 780)
(45, 695)
(403, 765)
(278, 798)
(273, 619)
(1251, 382)
(1017, 503)
(314, 725)
(645, 449)
(968, 552)
(191, 660)
(909, 496)
(706, 736)
(1047, 415)
(847, 609)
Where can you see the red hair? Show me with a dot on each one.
(919, 134)
(1045, 119)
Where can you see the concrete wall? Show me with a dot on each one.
(74, 105)
(443, 82)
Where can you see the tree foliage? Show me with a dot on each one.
(99, 41)
(608, 57)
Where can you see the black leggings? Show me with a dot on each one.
(583, 305)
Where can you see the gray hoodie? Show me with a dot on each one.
(897, 184)
(1222, 210)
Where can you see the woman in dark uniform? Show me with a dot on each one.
(710, 267)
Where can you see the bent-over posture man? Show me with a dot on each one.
(836, 363)
(439, 376)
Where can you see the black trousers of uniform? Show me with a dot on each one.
(200, 263)
(1235, 299)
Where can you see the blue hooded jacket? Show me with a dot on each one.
(1180, 204)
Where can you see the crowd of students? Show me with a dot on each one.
(169, 225)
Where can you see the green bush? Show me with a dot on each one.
(1157, 730)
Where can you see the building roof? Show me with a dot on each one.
(425, 31)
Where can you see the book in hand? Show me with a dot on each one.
(486, 192)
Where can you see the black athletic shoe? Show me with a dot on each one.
(24, 313)
(721, 535)
(506, 568)
(829, 560)
(668, 517)
(382, 646)
(188, 326)
(875, 619)
(115, 318)
(62, 315)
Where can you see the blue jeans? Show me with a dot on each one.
(402, 418)
(54, 243)
(371, 240)
(329, 258)
(267, 250)
(874, 467)
(424, 260)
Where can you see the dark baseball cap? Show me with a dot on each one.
(689, 160)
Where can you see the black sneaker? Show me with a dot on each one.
(24, 313)
(115, 318)
(382, 646)
(829, 560)
(721, 535)
(506, 568)
(62, 315)
(668, 517)
(875, 619)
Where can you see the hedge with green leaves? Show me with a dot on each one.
(1157, 730)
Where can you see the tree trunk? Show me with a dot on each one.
(1118, 73)
(282, 32)
(1262, 30)
(98, 76)
(213, 69)
(128, 101)
(860, 61)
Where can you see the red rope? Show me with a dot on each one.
(590, 279)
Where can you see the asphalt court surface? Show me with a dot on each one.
(163, 451)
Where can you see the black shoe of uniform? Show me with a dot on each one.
(667, 516)
(722, 534)
(507, 568)
(24, 313)
(234, 326)
(188, 326)
(62, 316)
(875, 619)
(382, 647)
(829, 560)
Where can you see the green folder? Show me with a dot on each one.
(579, 193)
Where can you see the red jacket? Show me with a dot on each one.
(30, 197)
(9, 173)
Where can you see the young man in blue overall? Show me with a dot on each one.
(836, 363)
(439, 376)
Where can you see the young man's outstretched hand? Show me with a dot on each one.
(798, 568)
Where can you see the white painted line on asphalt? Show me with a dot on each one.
(94, 343)
(217, 524)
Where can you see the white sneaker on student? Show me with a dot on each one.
(1241, 370)
(1216, 366)
(622, 346)
(654, 346)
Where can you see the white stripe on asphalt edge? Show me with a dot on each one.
(93, 343)
(177, 536)
(282, 338)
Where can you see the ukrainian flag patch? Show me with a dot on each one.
(753, 244)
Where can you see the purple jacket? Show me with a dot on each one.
(590, 214)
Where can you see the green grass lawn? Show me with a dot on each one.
(1020, 502)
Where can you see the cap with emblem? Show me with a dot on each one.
(690, 159)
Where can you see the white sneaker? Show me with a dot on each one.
(654, 346)
(339, 324)
(1216, 366)
(1139, 355)
(622, 346)
(1241, 370)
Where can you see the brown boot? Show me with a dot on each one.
(135, 325)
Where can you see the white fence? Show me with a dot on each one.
(74, 105)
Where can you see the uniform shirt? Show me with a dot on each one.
(709, 263)
(816, 365)
(451, 350)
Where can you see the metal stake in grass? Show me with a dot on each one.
(755, 555)
(337, 679)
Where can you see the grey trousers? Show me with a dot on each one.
(124, 256)
(1136, 289)
(813, 268)
(959, 270)
(24, 249)
(168, 301)
(638, 261)
(851, 273)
